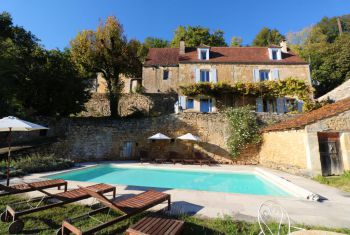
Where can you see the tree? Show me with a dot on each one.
(197, 35)
(33, 80)
(151, 42)
(236, 42)
(108, 52)
(268, 37)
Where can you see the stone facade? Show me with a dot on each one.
(130, 85)
(131, 105)
(297, 151)
(184, 74)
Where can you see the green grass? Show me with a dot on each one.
(341, 182)
(47, 222)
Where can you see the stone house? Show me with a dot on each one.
(166, 69)
(130, 85)
(315, 143)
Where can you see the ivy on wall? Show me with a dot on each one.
(280, 88)
(243, 128)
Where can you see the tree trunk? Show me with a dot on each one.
(114, 104)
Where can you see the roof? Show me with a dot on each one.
(247, 55)
(338, 93)
(162, 56)
(324, 112)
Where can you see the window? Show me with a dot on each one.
(264, 75)
(270, 105)
(204, 76)
(203, 54)
(274, 55)
(165, 74)
(190, 104)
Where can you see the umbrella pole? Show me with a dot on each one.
(8, 158)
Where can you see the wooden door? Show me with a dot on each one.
(329, 147)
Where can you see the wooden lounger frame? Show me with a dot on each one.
(30, 187)
(127, 212)
(54, 200)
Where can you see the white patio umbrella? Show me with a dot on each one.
(159, 136)
(191, 138)
(11, 124)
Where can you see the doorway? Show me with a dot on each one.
(205, 105)
(329, 146)
(127, 150)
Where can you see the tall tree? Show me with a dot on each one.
(267, 37)
(107, 51)
(236, 42)
(152, 42)
(33, 80)
(197, 35)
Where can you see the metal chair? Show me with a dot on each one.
(271, 211)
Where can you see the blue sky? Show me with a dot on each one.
(56, 22)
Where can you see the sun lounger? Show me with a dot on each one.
(46, 202)
(126, 207)
(30, 187)
(189, 161)
(156, 225)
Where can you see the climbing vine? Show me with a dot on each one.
(243, 129)
(280, 88)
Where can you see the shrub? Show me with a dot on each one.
(243, 129)
(35, 163)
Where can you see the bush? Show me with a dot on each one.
(35, 163)
(244, 129)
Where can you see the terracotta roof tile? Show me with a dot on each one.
(162, 57)
(171, 56)
(324, 112)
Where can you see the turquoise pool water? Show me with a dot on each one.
(244, 183)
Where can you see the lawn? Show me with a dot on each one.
(47, 222)
(341, 182)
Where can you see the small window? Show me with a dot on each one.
(264, 75)
(165, 74)
(203, 54)
(204, 75)
(274, 55)
(190, 104)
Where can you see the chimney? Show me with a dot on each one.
(284, 46)
(182, 47)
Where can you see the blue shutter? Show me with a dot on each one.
(256, 76)
(213, 78)
(197, 75)
(300, 106)
(280, 105)
(275, 74)
(259, 105)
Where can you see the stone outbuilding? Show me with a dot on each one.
(315, 143)
(340, 92)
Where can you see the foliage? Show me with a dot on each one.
(197, 35)
(236, 42)
(327, 52)
(107, 51)
(280, 88)
(35, 163)
(151, 42)
(244, 129)
(342, 182)
(34, 80)
(267, 37)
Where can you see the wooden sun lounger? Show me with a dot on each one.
(189, 161)
(156, 225)
(51, 200)
(30, 187)
(127, 207)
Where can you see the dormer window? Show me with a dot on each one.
(203, 53)
(275, 53)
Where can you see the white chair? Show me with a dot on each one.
(271, 211)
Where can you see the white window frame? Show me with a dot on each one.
(278, 53)
(200, 50)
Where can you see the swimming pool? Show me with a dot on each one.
(245, 183)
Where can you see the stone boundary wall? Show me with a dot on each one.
(90, 139)
(131, 105)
